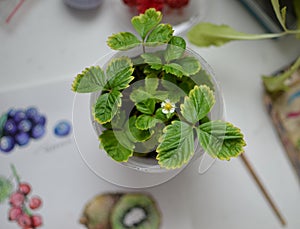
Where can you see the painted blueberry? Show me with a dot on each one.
(11, 113)
(25, 125)
(38, 119)
(62, 128)
(19, 116)
(22, 138)
(7, 143)
(31, 112)
(10, 127)
(37, 131)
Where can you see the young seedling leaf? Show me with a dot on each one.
(123, 41)
(107, 106)
(89, 80)
(119, 72)
(5, 189)
(145, 122)
(197, 104)
(146, 106)
(117, 145)
(277, 83)
(153, 60)
(175, 49)
(280, 13)
(221, 139)
(161, 34)
(144, 23)
(177, 145)
(190, 65)
(207, 34)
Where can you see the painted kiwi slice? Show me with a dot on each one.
(97, 211)
(135, 211)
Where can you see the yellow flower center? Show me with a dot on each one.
(168, 106)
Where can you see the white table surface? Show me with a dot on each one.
(47, 41)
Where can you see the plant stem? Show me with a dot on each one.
(13, 168)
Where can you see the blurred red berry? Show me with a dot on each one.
(143, 5)
(130, 2)
(36, 220)
(14, 213)
(24, 221)
(24, 188)
(177, 3)
(35, 202)
(17, 199)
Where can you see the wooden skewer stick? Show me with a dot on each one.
(263, 190)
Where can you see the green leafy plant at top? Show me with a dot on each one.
(169, 94)
(207, 34)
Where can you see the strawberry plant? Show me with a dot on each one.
(157, 102)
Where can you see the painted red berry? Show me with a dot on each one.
(177, 3)
(35, 202)
(24, 221)
(14, 213)
(130, 2)
(17, 199)
(143, 5)
(24, 188)
(36, 221)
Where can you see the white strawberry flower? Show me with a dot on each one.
(168, 107)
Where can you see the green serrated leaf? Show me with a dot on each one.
(117, 145)
(197, 104)
(3, 120)
(175, 49)
(139, 95)
(119, 72)
(146, 106)
(174, 69)
(207, 34)
(144, 23)
(153, 60)
(5, 189)
(89, 80)
(221, 139)
(107, 106)
(161, 34)
(190, 65)
(280, 13)
(136, 135)
(123, 41)
(145, 122)
(151, 83)
(177, 145)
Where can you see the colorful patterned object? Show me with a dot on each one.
(284, 108)
(18, 126)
